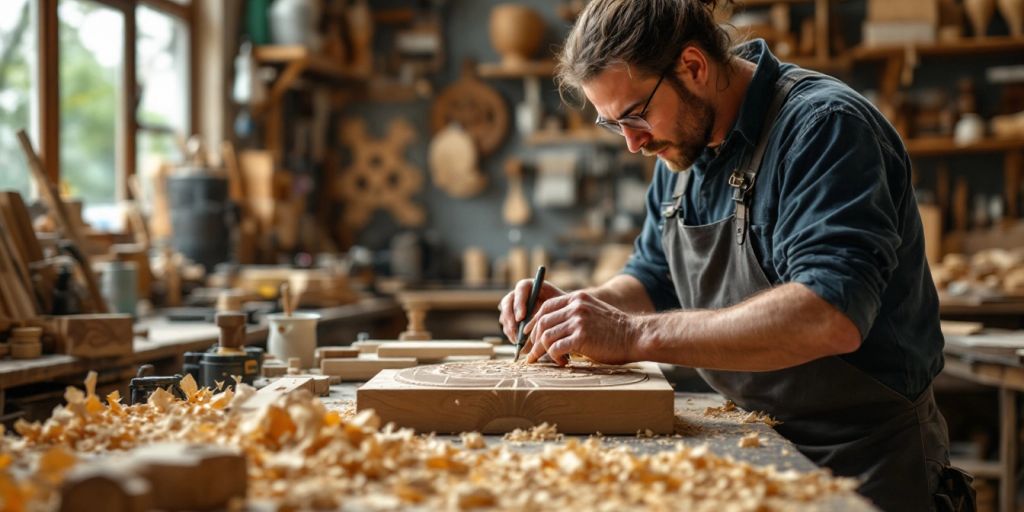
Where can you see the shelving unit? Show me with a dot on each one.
(944, 146)
(295, 63)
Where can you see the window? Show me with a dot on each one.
(18, 86)
(163, 77)
(91, 83)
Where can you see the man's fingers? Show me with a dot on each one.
(547, 308)
(522, 294)
(560, 350)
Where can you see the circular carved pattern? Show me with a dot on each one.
(476, 107)
(506, 374)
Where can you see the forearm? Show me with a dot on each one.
(625, 292)
(786, 326)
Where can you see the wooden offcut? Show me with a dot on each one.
(505, 406)
(429, 351)
(280, 387)
(92, 335)
(349, 369)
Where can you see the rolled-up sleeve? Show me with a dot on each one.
(837, 230)
(648, 264)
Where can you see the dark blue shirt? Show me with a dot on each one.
(833, 209)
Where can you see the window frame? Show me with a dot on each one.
(49, 83)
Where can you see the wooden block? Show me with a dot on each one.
(119, 489)
(333, 353)
(26, 350)
(430, 351)
(499, 396)
(192, 477)
(954, 328)
(321, 384)
(270, 393)
(92, 335)
(272, 369)
(904, 10)
(363, 368)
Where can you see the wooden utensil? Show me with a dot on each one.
(516, 210)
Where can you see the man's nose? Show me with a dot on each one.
(635, 139)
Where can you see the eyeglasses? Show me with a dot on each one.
(633, 121)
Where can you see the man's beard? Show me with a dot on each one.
(694, 122)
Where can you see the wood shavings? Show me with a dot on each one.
(303, 456)
(751, 440)
(473, 440)
(718, 412)
(539, 433)
(760, 417)
(730, 411)
(683, 427)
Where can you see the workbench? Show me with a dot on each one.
(43, 379)
(991, 358)
(720, 434)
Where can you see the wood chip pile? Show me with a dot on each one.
(301, 455)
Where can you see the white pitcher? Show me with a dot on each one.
(293, 336)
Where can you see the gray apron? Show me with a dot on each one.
(835, 414)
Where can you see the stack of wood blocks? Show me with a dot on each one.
(27, 281)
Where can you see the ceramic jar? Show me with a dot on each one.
(293, 336)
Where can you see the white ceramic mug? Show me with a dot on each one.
(293, 336)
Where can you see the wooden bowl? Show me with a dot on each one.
(517, 32)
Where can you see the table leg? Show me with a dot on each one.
(1008, 450)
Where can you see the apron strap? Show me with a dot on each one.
(682, 178)
(743, 177)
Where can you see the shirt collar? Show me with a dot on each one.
(759, 94)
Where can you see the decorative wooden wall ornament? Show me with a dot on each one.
(453, 163)
(475, 106)
(379, 178)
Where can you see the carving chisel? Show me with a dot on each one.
(538, 281)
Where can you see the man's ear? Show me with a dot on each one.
(693, 66)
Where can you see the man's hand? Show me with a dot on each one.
(580, 323)
(513, 305)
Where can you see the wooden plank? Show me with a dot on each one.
(18, 300)
(950, 327)
(363, 368)
(93, 335)
(428, 351)
(276, 389)
(495, 399)
(322, 353)
(60, 217)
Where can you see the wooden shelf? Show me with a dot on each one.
(769, 3)
(543, 68)
(594, 136)
(836, 64)
(944, 146)
(310, 61)
(965, 46)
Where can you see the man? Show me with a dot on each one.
(782, 253)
